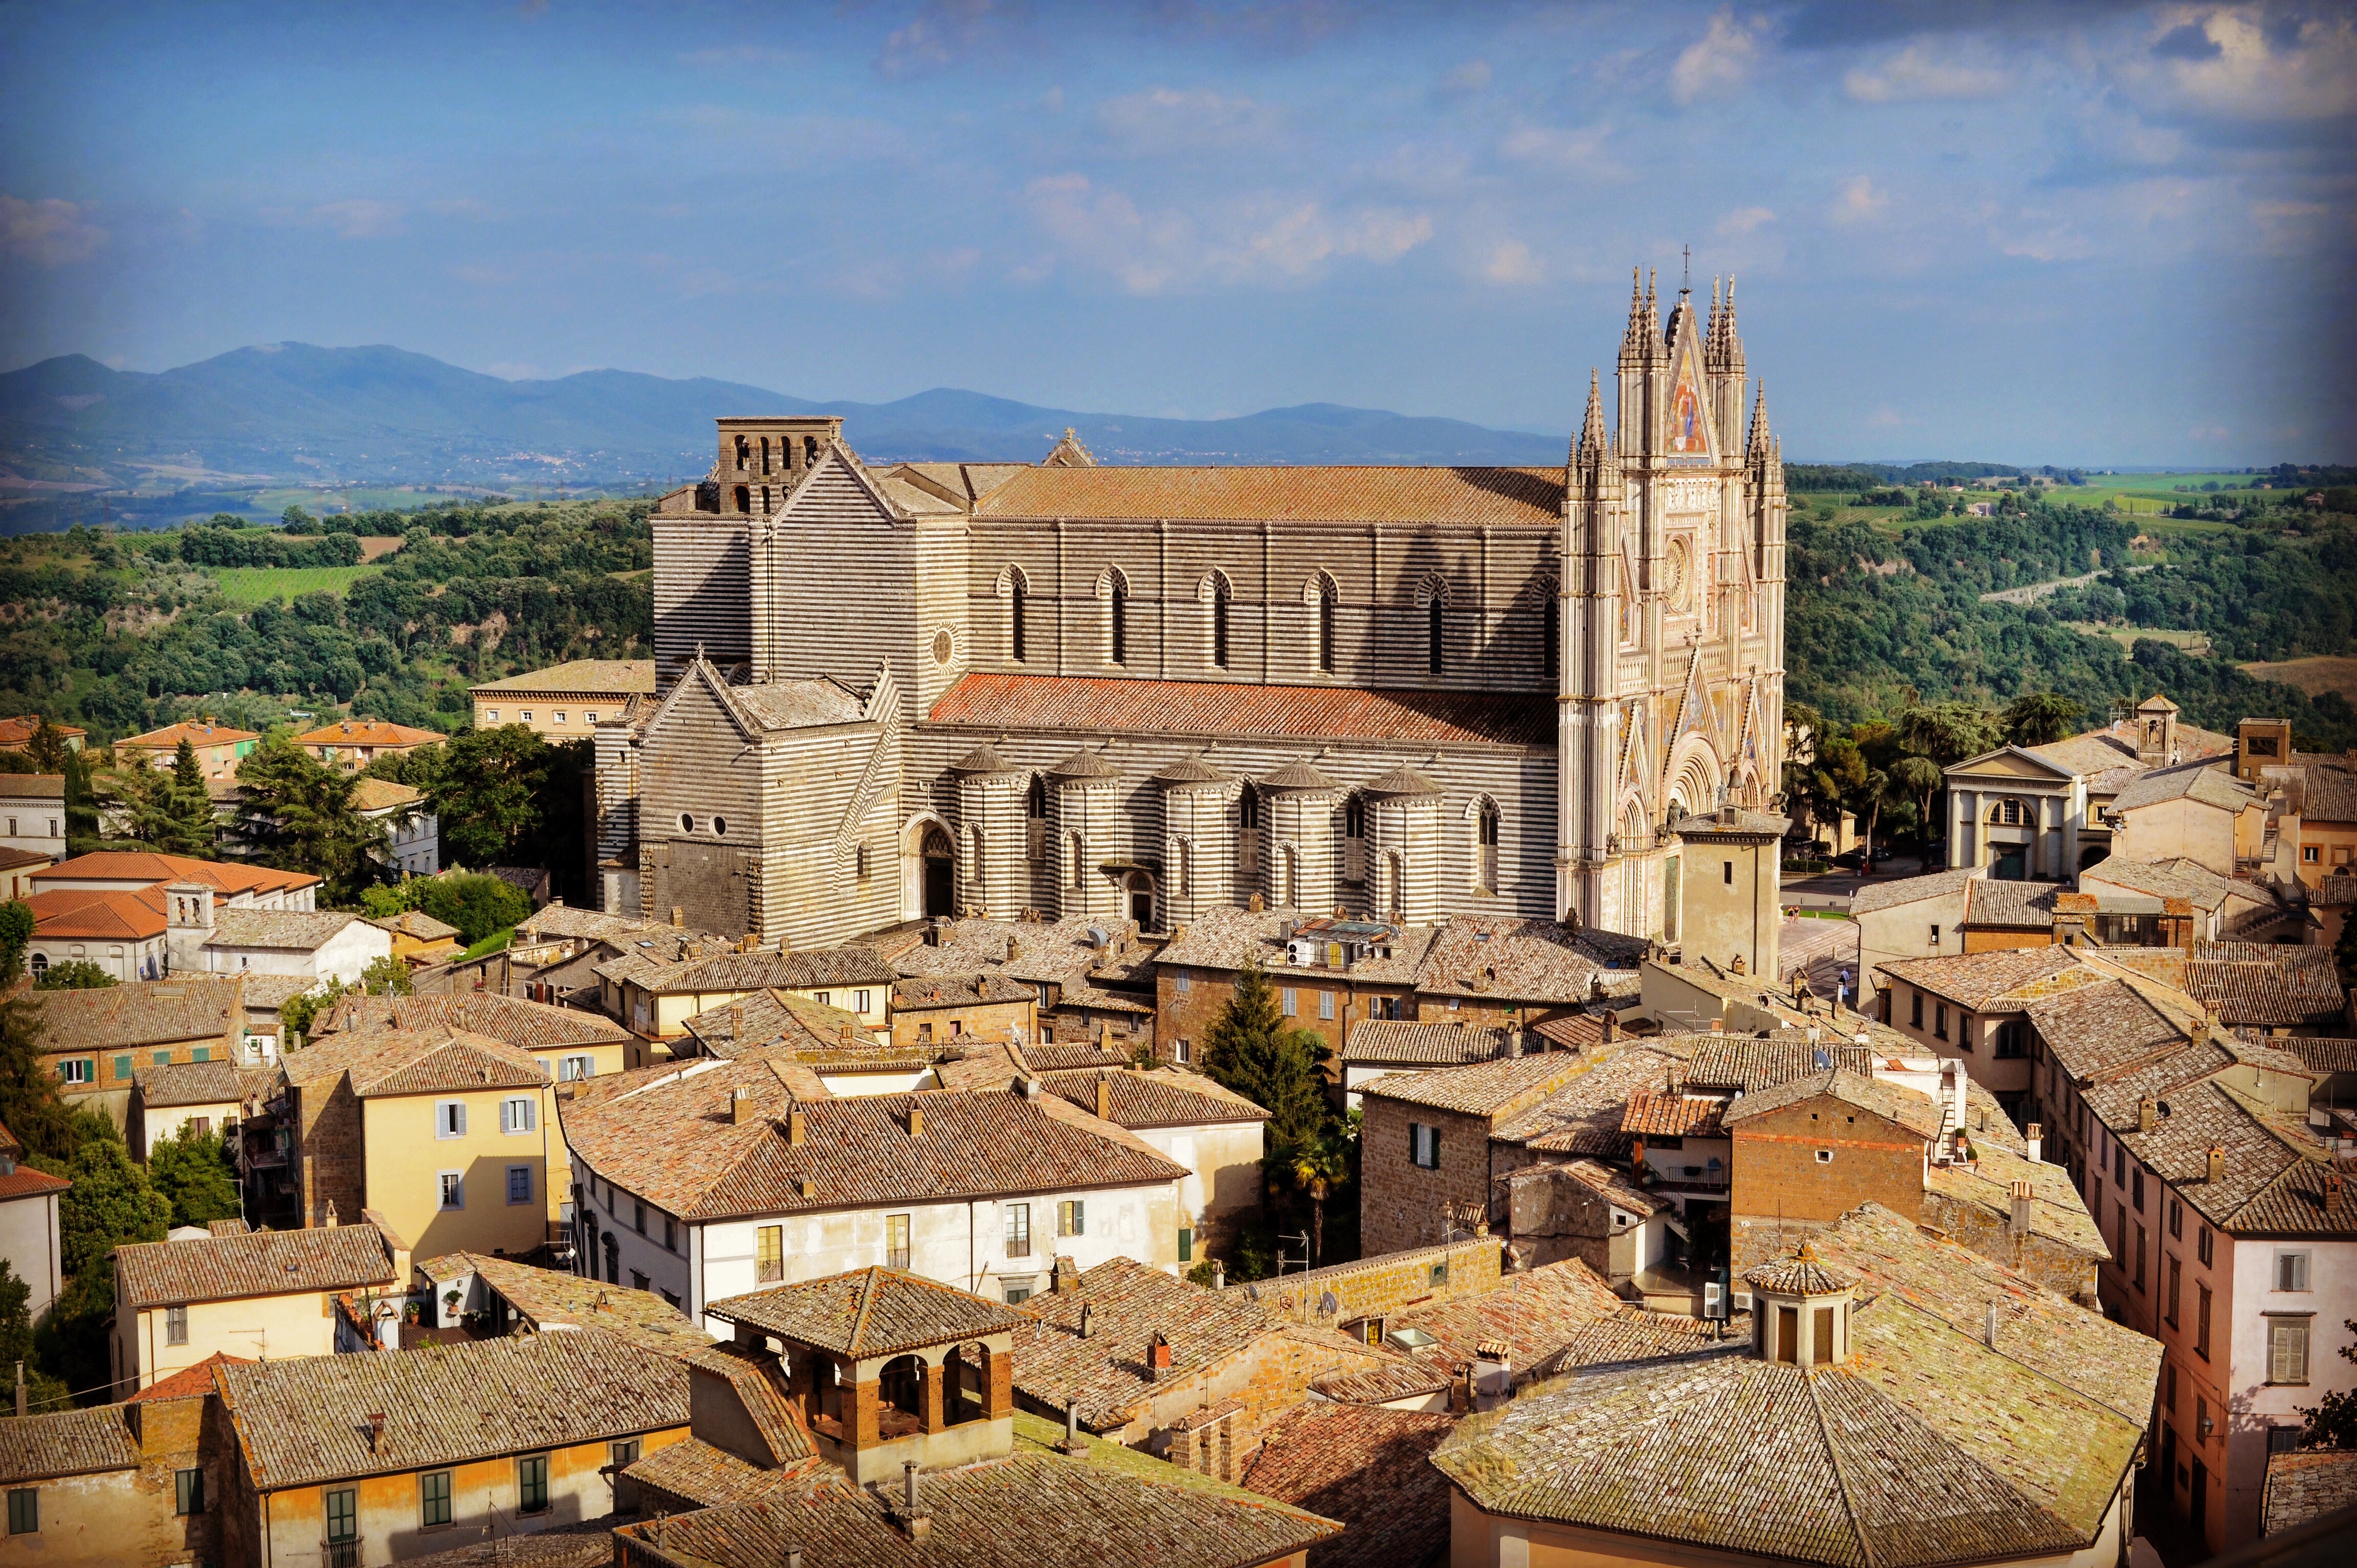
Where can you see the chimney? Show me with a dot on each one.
(913, 1518)
(1719, 1025)
(1073, 1442)
(2021, 1199)
(2217, 1163)
(1104, 1096)
(796, 1128)
(330, 1220)
(1084, 1320)
(1988, 1326)
(1013, 950)
(2034, 1143)
(1066, 1276)
(1157, 1357)
(1219, 1270)
(1611, 1027)
(1285, 930)
(2331, 1190)
(678, 916)
(376, 1428)
(809, 1187)
(2148, 1114)
(740, 1106)
(916, 1120)
(1514, 1043)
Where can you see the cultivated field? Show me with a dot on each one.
(244, 586)
(2314, 676)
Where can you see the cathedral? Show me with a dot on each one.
(887, 691)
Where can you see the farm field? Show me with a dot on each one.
(244, 586)
(2314, 676)
(2194, 642)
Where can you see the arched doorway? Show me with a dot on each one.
(1139, 885)
(941, 873)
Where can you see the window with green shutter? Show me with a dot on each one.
(1186, 1245)
(163, 1059)
(434, 1498)
(532, 1484)
(25, 1511)
(122, 1068)
(201, 1053)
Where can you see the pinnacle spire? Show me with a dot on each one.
(1760, 436)
(1733, 349)
(1591, 432)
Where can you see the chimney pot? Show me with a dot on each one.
(796, 1128)
(1220, 1271)
(2148, 1114)
(916, 1120)
(1084, 1320)
(1157, 1356)
(1104, 1096)
(2034, 1143)
(2021, 1208)
(2217, 1163)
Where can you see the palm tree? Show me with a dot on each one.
(1317, 1166)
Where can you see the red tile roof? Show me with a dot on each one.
(169, 738)
(1653, 1115)
(1366, 1465)
(139, 867)
(367, 732)
(17, 732)
(1502, 498)
(1097, 706)
(100, 915)
(188, 1381)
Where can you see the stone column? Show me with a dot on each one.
(863, 1425)
(998, 1383)
(933, 1413)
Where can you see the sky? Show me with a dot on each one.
(2094, 234)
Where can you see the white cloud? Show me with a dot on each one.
(1574, 151)
(49, 232)
(1251, 240)
(1720, 59)
(940, 32)
(1885, 418)
(1914, 73)
(1511, 263)
(1745, 220)
(1170, 120)
(2044, 242)
(738, 54)
(2233, 60)
(360, 219)
(1858, 199)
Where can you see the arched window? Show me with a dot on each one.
(1485, 849)
(1395, 879)
(744, 454)
(1015, 618)
(1114, 589)
(1219, 620)
(1248, 808)
(810, 449)
(2011, 813)
(1186, 868)
(973, 847)
(1431, 634)
(1079, 853)
(1248, 834)
(1326, 598)
(1289, 891)
(765, 454)
(744, 498)
(1551, 635)
(1354, 839)
(1035, 814)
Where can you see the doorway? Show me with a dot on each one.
(941, 873)
(1141, 900)
(2010, 864)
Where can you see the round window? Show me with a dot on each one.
(944, 645)
(720, 827)
(1674, 571)
(687, 823)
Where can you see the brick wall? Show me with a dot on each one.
(1400, 1202)
(2063, 1270)
(1778, 1175)
(1189, 1016)
(331, 1148)
(983, 1020)
(1375, 1286)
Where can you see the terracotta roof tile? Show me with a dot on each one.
(2266, 985)
(1651, 1115)
(1751, 1064)
(1165, 1097)
(1497, 497)
(670, 1140)
(778, 1020)
(1582, 1116)
(198, 1083)
(142, 868)
(169, 738)
(1098, 705)
(526, 1025)
(257, 1264)
(1429, 1045)
(301, 930)
(762, 1387)
(66, 1442)
(988, 1514)
(2307, 1484)
(188, 1382)
(97, 914)
(1877, 895)
(1527, 961)
(868, 1312)
(702, 1476)
(550, 1297)
(1367, 1467)
(369, 732)
(1228, 937)
(141, 1013)
(307, 1419)
(1982, 981)
(577, 677)
(1493, 1089)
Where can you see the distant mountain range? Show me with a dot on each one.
(291, 413)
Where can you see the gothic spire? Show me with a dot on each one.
(1711, 331)
(1760, 436)
(1633, 337)
(1734, 344)
(1591, 432)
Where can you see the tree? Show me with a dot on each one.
(485, 791)
(2332, 1422)
(193, 1173)
(31, 1105)
(1948, 732)
(42, 1391)
(162, 812)
(1317, 1166)
(477, 904)
(1250, 1050)
(17, 923)
(47, 746)
(2040, 718)
(295, 1014)
(111, 1202)
(386, 976)
(1920, 779)
(74, 974)
(1877, 790)
(300, 816)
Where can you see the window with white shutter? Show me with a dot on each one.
(2291, 1270)
(2287, 1349)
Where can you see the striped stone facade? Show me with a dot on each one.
(1142, 692)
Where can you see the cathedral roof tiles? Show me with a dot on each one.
(1192, 770)
(1095, 705)
(1084, 764)
(1497, 497)
(1298, 775)
(1402, 780)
